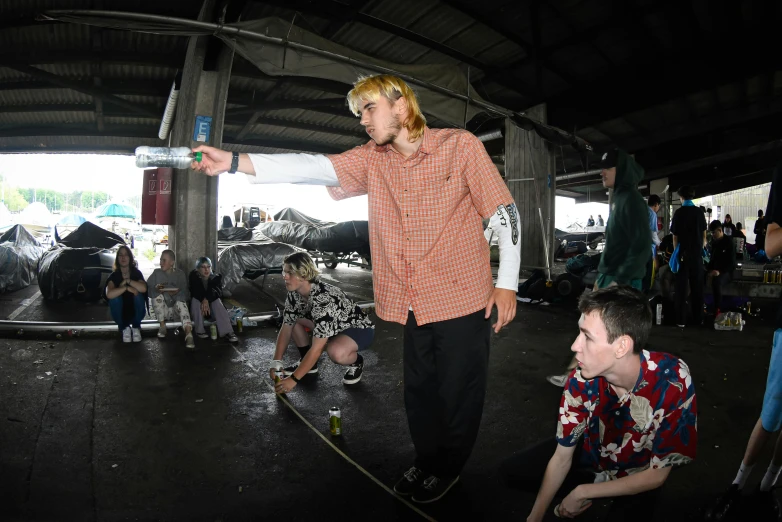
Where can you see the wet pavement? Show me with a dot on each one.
(94, 429)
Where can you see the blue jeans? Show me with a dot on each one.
(139, 305)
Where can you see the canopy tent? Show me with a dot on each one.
(71, 220)
(116, 210)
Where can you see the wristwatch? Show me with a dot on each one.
(234, 163)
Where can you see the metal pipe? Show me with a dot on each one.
(545, 243)
(111, 326)
(576, 175)
(168, 113)
(206, 28)
(489, 135)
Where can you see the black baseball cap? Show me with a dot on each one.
(608, 158)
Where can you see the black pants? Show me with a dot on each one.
(690, 271)
(445, 369)
(717, 284)
(525, 471)
(646, 283)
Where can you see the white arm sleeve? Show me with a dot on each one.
(505, 222)
(299, 169)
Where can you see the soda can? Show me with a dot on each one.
(749, 307)
(239, 324)
(335, 421)
(765, 276)
(659, 314)
(213, 332)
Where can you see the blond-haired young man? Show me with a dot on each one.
(429, 190)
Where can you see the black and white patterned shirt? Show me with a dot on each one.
(328, 307)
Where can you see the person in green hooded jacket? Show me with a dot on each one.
(626, 251)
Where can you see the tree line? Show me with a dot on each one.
(16, 199)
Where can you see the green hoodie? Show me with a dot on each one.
(627, 232)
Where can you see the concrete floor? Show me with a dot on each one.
(150, 431)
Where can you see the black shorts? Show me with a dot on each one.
(362, 336)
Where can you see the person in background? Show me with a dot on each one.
(740, 231)
(689, 235)
(168, 291)
(728, 228)
(653, 203)
(126, 293)
(763, 504)
(600, 221)
(721, 262)
(627, 417)
(339, 326)
(206, 291)
(591, 221)
(760, 232)
(627, 237)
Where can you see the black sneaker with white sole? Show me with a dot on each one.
(354, 371)
(433, 489)
(288, 370)
(410, 482)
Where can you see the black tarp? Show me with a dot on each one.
(19, 255)
(250, 260)
(291, 214)
(78, 266)
(235, 234)
(345, 237)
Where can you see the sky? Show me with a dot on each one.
(118, 176)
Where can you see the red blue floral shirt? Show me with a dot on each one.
(653, 425)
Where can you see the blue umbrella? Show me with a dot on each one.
(116, 210)
(72, 220)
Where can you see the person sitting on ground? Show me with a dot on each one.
(338, 325)
(126, 293)
(763, 505)
(206, 291)
(634, 409)
(168, 291)
(721, 262)
(728, 228)
(591, 221)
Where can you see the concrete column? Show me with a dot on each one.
(530, 175)
(193, 232)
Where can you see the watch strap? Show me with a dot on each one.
(234, 162)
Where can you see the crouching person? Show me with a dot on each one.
(169, 294)
(627, 416)
(126, 294)
(338, 325)
(206, 291)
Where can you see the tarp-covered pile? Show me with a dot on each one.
(235, 234)
(79, 265)
(19, 255)
(291, 214)
(345, 237)
(250, 260)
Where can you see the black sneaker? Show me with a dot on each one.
(433, 489)
(353, 374)
(410, 482)
(288, 370)
(724, 504)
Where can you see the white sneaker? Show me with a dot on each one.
(189, 341)
(136, 335)
(161, 332)
(558, 380)
(126, 335)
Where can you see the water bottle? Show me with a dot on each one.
(173, 157)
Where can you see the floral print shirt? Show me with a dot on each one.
(653, 425)
(328, 307)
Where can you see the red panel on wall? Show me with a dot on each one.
(156, 197)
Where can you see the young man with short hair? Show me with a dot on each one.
(721, 262)
(429, 190)
(627, 416)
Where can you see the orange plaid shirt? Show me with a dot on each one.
(425, 222)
